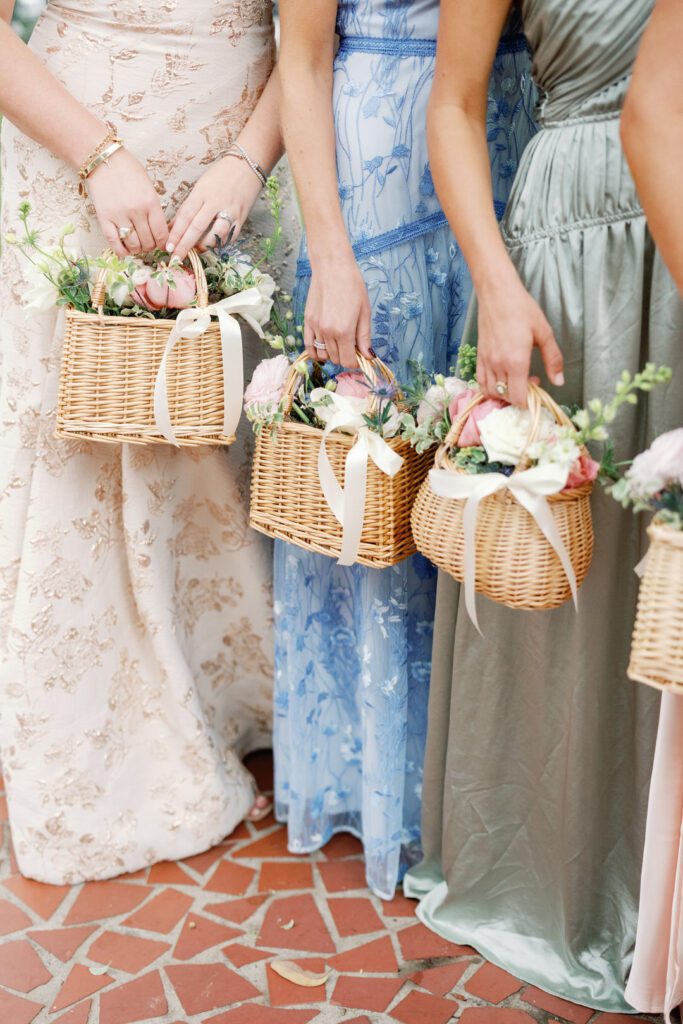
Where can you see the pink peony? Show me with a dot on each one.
(659, 466)
(582, 472)
(470, 436)
(267, 385)
(352, 384)
(161, 295)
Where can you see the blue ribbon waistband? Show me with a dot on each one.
(367, 247)
(404, 47)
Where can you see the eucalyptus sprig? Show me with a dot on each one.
(592, 422)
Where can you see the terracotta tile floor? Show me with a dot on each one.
(190, 943)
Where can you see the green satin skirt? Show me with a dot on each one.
(540, 749)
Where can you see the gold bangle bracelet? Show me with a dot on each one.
(101, 158)
(95, 158)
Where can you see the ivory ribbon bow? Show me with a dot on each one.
(348, 503)
(192, 323)
(530, 488)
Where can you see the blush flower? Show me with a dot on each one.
(267, 385)
(352, 384)
(437, 399)
(470, 436)
(584, 470)
(658, 467)
(177, 289)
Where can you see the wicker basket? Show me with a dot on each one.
(657, 646)
(109, 368)
(287, 501)
(515, 564)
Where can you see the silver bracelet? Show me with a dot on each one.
(238, 151)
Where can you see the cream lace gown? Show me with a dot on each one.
(135, 609)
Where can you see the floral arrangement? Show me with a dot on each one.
(155, 286)
(654, 481)
(367, 402)
(495, 434)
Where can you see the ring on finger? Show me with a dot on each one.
(125, 231)
(502, 388)
(320, 346)
(224, 215)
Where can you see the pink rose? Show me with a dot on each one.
(659, 466)
(582, 472)
(470, 436)
(164, 295)
(352, 384)
(267, 385)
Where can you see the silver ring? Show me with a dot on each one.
(224, 215)
(124, 232)
(320, 345)
(502, 388)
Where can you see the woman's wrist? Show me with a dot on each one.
(493, 275)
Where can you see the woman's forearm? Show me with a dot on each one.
(41, 107)
(652, 130)
(261, 136)
(306, 71)
(462, 176)
(458, 150)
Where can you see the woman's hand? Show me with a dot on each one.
(124, 197)
(511, 324)
(337, 321)
(216, 208)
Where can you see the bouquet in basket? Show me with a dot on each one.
(142, 360)
(331, 472)
(654, 482)
(506, 509)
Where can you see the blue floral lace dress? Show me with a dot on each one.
(353, 645)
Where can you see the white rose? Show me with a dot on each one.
(658, 467)
(505, 433)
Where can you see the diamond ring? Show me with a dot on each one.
(501, 387)
(224, 215)
(124, 232)
(320, 345)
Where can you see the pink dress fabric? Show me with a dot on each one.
(656, 981)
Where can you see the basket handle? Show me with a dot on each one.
(374, 369)
(99, 291)
(538, 400)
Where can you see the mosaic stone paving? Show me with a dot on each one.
(191, 943)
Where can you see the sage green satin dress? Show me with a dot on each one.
(540, 749)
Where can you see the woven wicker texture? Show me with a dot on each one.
(657, 646)
(109, 367)
(515, 564)
(287, 501)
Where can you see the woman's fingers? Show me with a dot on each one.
(111, 233)
(182, 221)
(142, 230)
(195, 230)
(158, 226)
(348, 353)
(131, 240)
(309, 340)
(552, 356)
(364, 332)
(331, 348)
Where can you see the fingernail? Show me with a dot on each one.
(559, 379)
(170, 247)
